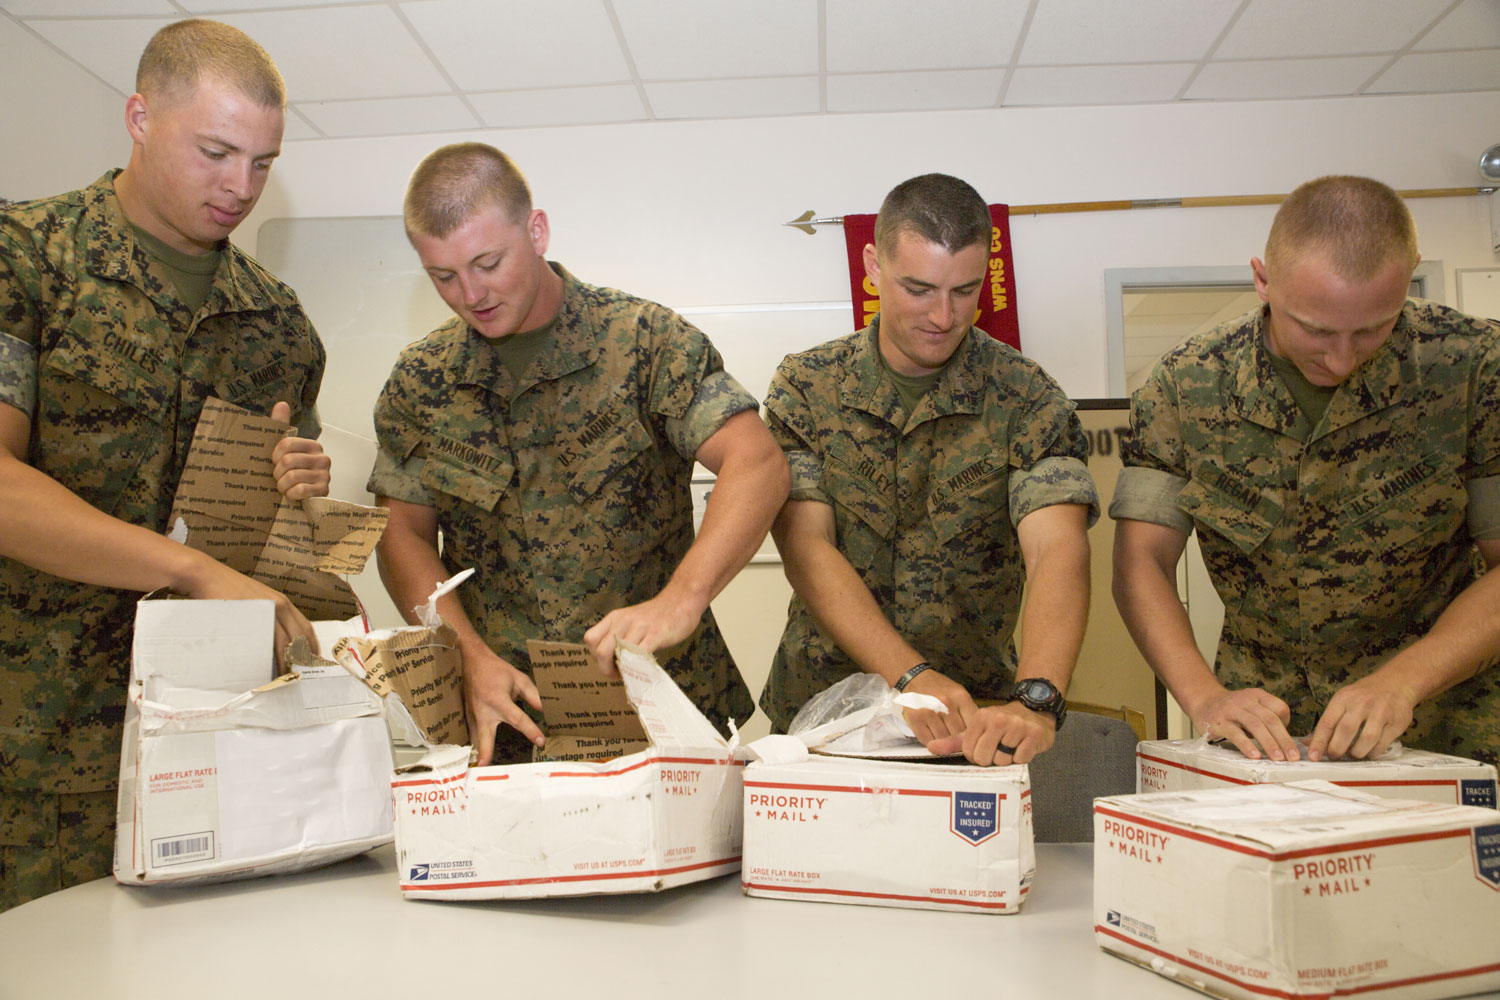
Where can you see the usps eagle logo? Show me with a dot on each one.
(418, 873)
(975, 816)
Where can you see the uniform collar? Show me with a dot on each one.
(1264, 399)
(572, 346)
(867, 387)
(112, 252)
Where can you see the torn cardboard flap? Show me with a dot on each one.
(228, 499)
(420, 667)
(588, 716)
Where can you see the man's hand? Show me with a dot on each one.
(1002, 734)
(1363, 718)
(302, 469)
(928, 726)
(1247, 717)
(211, 580)
(491, 690)
(655, 624)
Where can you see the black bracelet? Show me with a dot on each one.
(911, 675)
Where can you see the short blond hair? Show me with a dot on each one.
(1357, 224)
(184, 52)
(455, 182)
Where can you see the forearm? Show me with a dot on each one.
(411, 570)
(746, 495)
(1056, 613)
(45, 525)
(1146, 596)
(838, 598)
(1464, 637)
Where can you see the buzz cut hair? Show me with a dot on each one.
(1357, 224)
(184, 52)
(453, 183)
(940, 209)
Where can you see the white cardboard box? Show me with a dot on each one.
(227, 774)
(883, 833)
(649, 820)
(1300, 889)
(1182, 765)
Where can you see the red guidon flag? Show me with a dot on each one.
(996, 314)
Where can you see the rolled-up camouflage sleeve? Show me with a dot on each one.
(398, 458)
(18, 321)
(690, 389)
(788, 416)
(1048, 455)
(17, 374)
(1155, 471)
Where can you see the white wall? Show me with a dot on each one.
(62, 127)
(689, 212)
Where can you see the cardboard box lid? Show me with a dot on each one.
(1284, 816)
(1226, 759)
(204, 645)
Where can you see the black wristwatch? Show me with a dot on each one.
(1041, 695)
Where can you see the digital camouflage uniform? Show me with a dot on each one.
(572, 498)
(925, 506)
(113, 369)
(1333, 546)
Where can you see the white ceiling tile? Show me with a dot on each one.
(880, 35)
(86, 8)
(297, 127)
(1428, 72)
(1054, 85)
(929, 91)
(678, 39)
(1265, 79)
(569, 106)
(1274, 29)
(517, 44)
(219, 6)
(1086, 31)
(342, 52)
(108, 48)
(1473, 24)
(389, 115)
(787, 95)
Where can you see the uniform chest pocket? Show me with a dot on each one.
(607, 456)
(1244, 523)
(100, 416)
(465, 483)
(857, 496)
(976, 505)
(1409, 506)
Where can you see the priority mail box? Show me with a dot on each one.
(886, 833)
(1300, 889)
(662, 815)
(227, 773)
(1181, 765)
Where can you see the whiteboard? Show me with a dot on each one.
(1479, 291)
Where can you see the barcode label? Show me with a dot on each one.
(180, 850)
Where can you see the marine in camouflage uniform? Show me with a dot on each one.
(1333, 545)
(568, 491)
(113, 368)
(925, 503)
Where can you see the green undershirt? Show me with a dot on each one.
(518, 350)
(911, 388)
(192, 273)
(1311, 399)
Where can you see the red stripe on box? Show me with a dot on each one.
(1195, 770)
(429, 781)
(1478, 970)
(1306, 852)
(875, 895)
(543, 880)
(850, 788)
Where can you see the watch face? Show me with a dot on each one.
(1038, 690)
